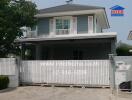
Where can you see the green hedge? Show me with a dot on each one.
(4, 81)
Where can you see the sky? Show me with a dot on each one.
(121, 25)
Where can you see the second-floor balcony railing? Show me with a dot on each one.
(62, 31)
(31, 34)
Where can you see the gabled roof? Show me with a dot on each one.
(117, 7)
(68, 7)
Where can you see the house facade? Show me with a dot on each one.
(68, 45)
(69, 32)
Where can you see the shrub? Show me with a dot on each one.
(4, 81)
(123, 50)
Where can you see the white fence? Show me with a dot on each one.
(87, 72)
(9, 67)
(123, 71)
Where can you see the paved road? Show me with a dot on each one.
(57, 93)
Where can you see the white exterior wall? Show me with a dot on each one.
(98, 28)
(98, 25)
(123, 74)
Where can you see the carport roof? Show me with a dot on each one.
(68, 37)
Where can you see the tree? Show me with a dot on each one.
(14, 14)
(124, 50)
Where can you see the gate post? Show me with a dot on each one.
(112, 71)
(18, 65)
(13, 78)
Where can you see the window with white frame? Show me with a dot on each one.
(62, 26)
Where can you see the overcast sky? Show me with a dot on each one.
(121, 25)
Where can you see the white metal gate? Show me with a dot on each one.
(86, 72)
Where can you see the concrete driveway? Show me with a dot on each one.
(58, 93)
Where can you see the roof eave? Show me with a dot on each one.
(106, 17)
(67, 13)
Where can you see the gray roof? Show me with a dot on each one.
(68, 7)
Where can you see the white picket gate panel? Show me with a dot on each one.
(89, 72)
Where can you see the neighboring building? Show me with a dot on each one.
(130, 36)
(69, 32)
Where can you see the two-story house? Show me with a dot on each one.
(69, 32)
(68, 46)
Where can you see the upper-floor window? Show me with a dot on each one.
(62, 25)
(71, 25)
